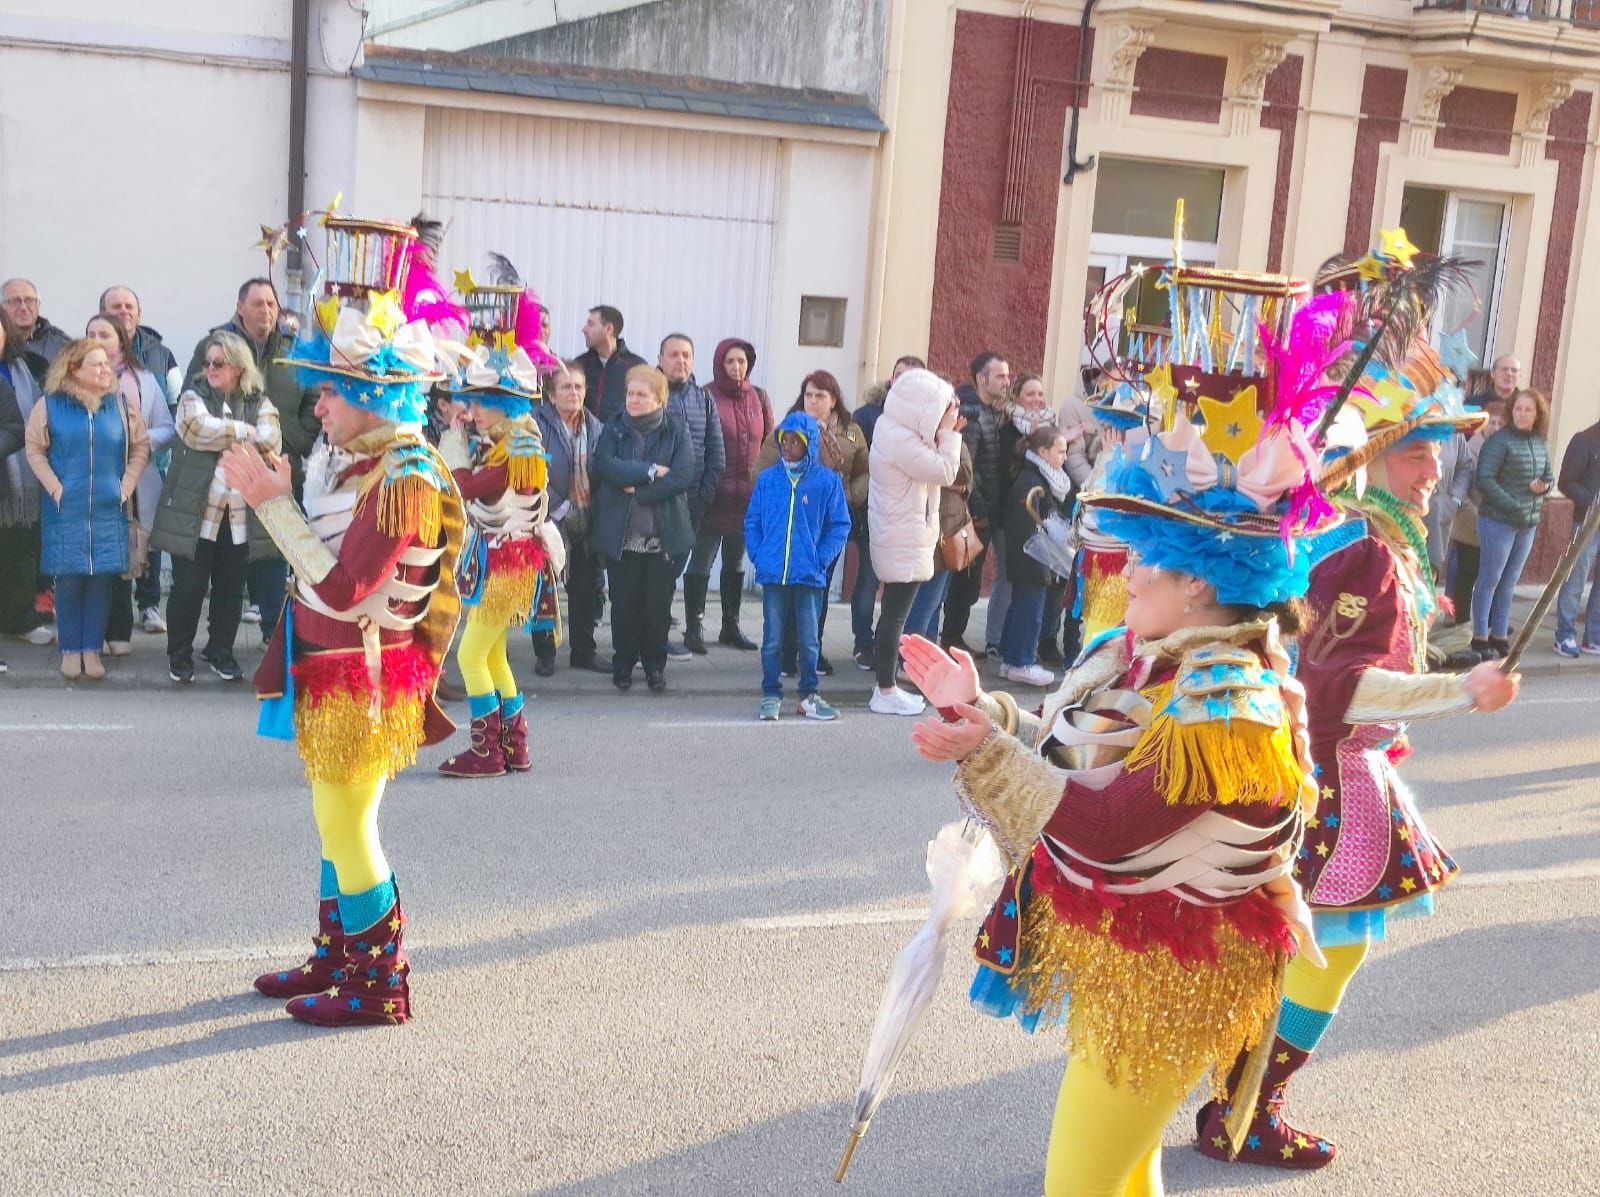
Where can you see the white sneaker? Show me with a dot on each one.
(152, 621)
(251, 614)
(896, 702)
(43, 634)
(1028, 675)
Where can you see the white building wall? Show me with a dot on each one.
(145, 144)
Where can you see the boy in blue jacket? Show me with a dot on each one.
(797, 522)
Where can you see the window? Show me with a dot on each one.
(1470, 226)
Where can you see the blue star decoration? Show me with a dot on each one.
(1011, 910)
(1385, 892)
(1168, 467)
(1253, 1142)
(1407, 860)
(1455, 353)
(1005, 955)
(1218, 707)
(1332, 820)
(355, 1003)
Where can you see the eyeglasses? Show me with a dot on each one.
(23, 301)
(216, 363)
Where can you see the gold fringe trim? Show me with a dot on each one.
(338, 742)
(410, 506)
(1222, 761)
(527, 473)
(507, 599)
(1105, 602)
(1155, 1025)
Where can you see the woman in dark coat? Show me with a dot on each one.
(746, 415)
(1513, 476)
(644, 465)
(1041, 477)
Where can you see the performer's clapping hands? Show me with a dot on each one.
(949, 682)
(256, 478)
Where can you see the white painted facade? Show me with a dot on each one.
(462, 24)
(145, 144)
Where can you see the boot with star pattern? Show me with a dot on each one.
(324, 967)
(1270, 1140)
(375, 990)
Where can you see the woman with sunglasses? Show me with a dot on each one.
(205, 524)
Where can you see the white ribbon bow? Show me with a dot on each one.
(355, 341)
(478, 372)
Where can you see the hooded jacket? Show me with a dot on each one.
(911, 459)
(796, 523)
(746, 417)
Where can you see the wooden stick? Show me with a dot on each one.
(1564, 568)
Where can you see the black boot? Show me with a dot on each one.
(732, 596)
(694, 611)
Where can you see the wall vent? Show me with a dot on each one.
(1007, 243)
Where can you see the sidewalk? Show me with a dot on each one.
(725, 672)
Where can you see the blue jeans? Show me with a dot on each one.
(924, 617)
(269, 578)
(83, 603)
(1503, 551)
(782, 606)
(1572, 593)
(994, 623)
(863, 597)
(1019, 642)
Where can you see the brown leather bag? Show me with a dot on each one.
(960, 548)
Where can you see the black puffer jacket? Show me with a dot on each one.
(622, 459)
(1021, 569)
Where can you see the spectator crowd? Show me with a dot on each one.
(915, 499)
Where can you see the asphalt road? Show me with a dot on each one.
(651, 967)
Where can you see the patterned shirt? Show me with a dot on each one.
(206, 433)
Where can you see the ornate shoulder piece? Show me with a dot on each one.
(1319, 548)
(521, 450)
(410, 482)
(1221, 732)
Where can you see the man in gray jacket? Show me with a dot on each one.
(691, 403)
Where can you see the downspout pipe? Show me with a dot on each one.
(299, 77)
(1080, 93)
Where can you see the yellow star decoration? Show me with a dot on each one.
(1159, 381)
(1394, 244)
(1287, 1152)
(465, 282)
(1322, 849)
(325, 940)
(333, 206)
(1327, 791)
(333, 991)
(505, 341)
(1300, 1141)
(1388, 400)
(1407, 884)
(383, 312)
(306, 969)
(388, 1007)
(375, 952)
(983, 938)
(1283, 1057)
(1313, 821)
(1232, 428)
(1371, 268)
(327, 313)
(394, 923)
(1218, 1141)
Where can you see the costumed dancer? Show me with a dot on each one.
(1368, 857)
(351, 669)
(1101, 582)
(1153, 809)
(513, 553)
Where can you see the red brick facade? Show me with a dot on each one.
(1282, 112)
(1477, 120)
(1383, 97)
(1179, 85)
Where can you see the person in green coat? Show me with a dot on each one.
(1514, 476)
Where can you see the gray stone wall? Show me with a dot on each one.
(831, 45)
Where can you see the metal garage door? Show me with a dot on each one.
(674, 228)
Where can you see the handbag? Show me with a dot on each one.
(961, 548)
(138, 541)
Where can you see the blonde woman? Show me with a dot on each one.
(203, 522)
(87, 449)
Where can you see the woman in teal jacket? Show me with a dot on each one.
(1514, 476)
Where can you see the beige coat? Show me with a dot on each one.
(1082, 451)
(910, 461)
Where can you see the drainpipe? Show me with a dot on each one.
(1080, 92)
(299, 37)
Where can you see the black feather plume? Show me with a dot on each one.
(501, 272)
(429, 231)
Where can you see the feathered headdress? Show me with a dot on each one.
(526, 320)
(377, 360)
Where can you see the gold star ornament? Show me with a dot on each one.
(1396, 246)
(383, 312)
(328, 313)
(1232, 428)
(465, 282)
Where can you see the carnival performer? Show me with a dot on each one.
(513, 556)
(1368, 857)
(352, 667)
(1100, 583)
(1152, 810)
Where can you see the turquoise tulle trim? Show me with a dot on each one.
(993, 995)
(1341, 928)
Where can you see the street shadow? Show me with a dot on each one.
(984, 1138)
(1542, 853)
(206, 1010)
(1520, 966)
(268, 1032)
(1525, 784)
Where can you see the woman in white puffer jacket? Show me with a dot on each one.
(915, 451)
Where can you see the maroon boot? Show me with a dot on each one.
(514, 743)
(324, 967)
(1269, 1140)
(375, 991)
(485, 757)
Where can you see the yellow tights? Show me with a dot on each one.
(347, 820)
(485, 668)
(1105, 1140)
(1321, 988)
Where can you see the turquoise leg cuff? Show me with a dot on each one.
(511, 707)
(329, 886)
(358, 912)
(479, 705)
(1302, 1027)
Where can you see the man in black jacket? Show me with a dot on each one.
(607, 361)
(692, 403)
(21, 300)
(1580, 481)
(983, 407)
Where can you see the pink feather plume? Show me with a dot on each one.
(526, 331)
(424, 297)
